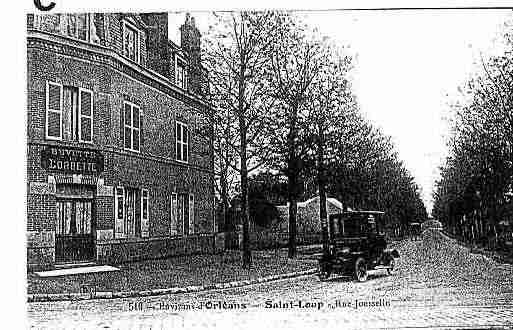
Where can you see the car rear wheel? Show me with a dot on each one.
(360, 270)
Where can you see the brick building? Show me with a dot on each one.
(119, 145)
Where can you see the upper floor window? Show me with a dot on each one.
(131, 42)
(181, 73)
(132, 126)
(69, 113)
(76, 25)
(182, 142)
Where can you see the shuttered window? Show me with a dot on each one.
(69, 113)
(182, 142)
(85, 115)
(53, 125)
(182, 208)
(131, 212)
(132, 126)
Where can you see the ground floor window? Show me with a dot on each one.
(131, 212)
(182, 214)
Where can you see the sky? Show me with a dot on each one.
(408, 67)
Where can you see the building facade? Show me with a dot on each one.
(119, 145)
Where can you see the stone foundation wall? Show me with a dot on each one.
(120, 251)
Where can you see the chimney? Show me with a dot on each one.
(190, 42)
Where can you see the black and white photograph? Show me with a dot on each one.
(277, 168)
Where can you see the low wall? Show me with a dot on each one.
(261, 240)
(119, 251)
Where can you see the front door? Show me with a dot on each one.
(74, 240)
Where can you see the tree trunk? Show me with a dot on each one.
(246, 251)
(321, 181)
(224, 202)
(293, 172)
(292, 199)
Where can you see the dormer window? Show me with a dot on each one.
(78, 26)
(131, 42)
(181, 73)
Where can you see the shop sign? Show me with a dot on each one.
(72, 160)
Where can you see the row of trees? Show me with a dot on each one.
(473, 196)
(284, 102)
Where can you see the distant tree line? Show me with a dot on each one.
(473, 197)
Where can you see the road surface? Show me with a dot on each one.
(439, 284)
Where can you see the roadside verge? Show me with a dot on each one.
(155, 292)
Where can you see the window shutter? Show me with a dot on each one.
(119, 215)
(178, 145)
(53, 111)
(186, 219)
(128, 125)
(191, 214)
(136, 128)
(186, 145)
(174, 216)
(141, 130)
(138, 213)
(145, 213)
(122, 125)
(180, 215)
(85, 117)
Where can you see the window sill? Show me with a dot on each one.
(70, 142)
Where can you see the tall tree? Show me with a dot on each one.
(225, 159)
(296, 61)
(237, 58)
(331, 104)
(475, 188)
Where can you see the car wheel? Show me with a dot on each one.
(323, 272)
(360, 270)
(391, 267)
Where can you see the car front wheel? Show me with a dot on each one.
(360, 270)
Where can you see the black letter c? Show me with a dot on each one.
(40, 6)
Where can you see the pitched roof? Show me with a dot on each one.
(330, 200)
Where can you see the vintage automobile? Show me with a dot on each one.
(354, 245)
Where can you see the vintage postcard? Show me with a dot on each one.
(342, 168)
